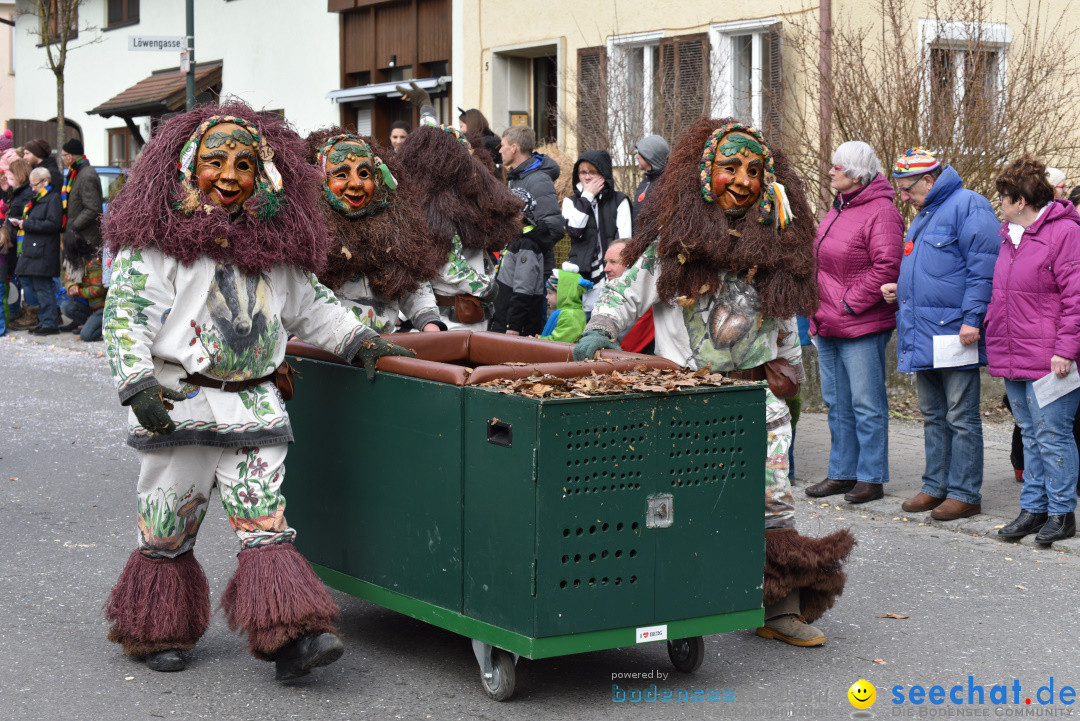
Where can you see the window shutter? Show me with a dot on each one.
(773, 115)
(592, 120)
(684, 85)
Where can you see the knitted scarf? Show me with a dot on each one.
(26, 214)
(73, 170)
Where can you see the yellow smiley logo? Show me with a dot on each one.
(862, 694)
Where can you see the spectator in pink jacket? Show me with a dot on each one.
(858, 250)
(1033, 331)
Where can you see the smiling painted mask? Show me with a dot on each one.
(227, 161)
(226, 165)
(736, 173)
(356, 181)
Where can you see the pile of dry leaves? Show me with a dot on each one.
(639, 380)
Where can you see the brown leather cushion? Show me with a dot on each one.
(442, 347)
(494, 348)
(437, 353)
(300, 349)
(420, 368)
(445, 347)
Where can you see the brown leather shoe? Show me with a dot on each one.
(864, 491)
(921, 502)
(952, 509)
(830, 487)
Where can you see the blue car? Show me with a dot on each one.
(110, 177)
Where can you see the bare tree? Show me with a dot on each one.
(975, 86)
(57, 26)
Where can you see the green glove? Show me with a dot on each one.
(591, 342)
(151, 408)
(374, 349)
(414, 94)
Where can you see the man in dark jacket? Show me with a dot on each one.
(41, 156)
(651, 155)
(519, 304)
(537, 174)
(82, 204)
(40, 259)
(596, 215)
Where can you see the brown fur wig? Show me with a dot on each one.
(687, 226)
(458, 192)
(145, 212)
(389, 247)
(813, 566)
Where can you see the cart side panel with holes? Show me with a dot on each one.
(374, 479)
(574, 489)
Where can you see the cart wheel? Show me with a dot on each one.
(686, 654)
(503, 677)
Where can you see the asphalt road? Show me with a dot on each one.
(976, 607)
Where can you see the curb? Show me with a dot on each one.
(984, 524)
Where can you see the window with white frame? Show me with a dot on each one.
(633, 85)
(746, 65)
(964, 65)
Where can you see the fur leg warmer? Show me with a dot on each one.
(275, 597)
(813, 566)
(158, 604)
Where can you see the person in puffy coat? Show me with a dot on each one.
(943, 289)
(1033, 330)
(858, 249)
(39, 261)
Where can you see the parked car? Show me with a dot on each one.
(111, 178)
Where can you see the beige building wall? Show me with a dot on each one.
(498, 39)
(495, 40)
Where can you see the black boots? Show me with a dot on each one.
(1025, 524)
(298, 657)
(168, 660)
(1057, 528)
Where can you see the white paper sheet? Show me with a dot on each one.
(1050, 387)
(949, 352)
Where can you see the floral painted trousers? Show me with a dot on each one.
(174, 491)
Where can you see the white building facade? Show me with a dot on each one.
(277, 55)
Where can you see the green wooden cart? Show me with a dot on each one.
(535, 527)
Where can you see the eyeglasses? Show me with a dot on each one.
(908, 189)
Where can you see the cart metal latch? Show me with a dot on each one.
(661, 511)
(500, 433)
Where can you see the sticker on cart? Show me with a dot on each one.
(652, 633)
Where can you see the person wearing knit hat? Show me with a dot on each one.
(81, 198)
(40, 153)
(6, 141)
(1057, 182)
(943, 288)
(73, 147)
(651, 153)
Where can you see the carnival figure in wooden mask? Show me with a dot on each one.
(381, 259)
(217, 236)
(723, 255)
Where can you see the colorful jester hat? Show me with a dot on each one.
(385, 184)
(774, 202)
(268, 186)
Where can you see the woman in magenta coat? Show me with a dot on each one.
(858, 250)
(1032, 331)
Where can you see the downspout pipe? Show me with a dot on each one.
(825, 96)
